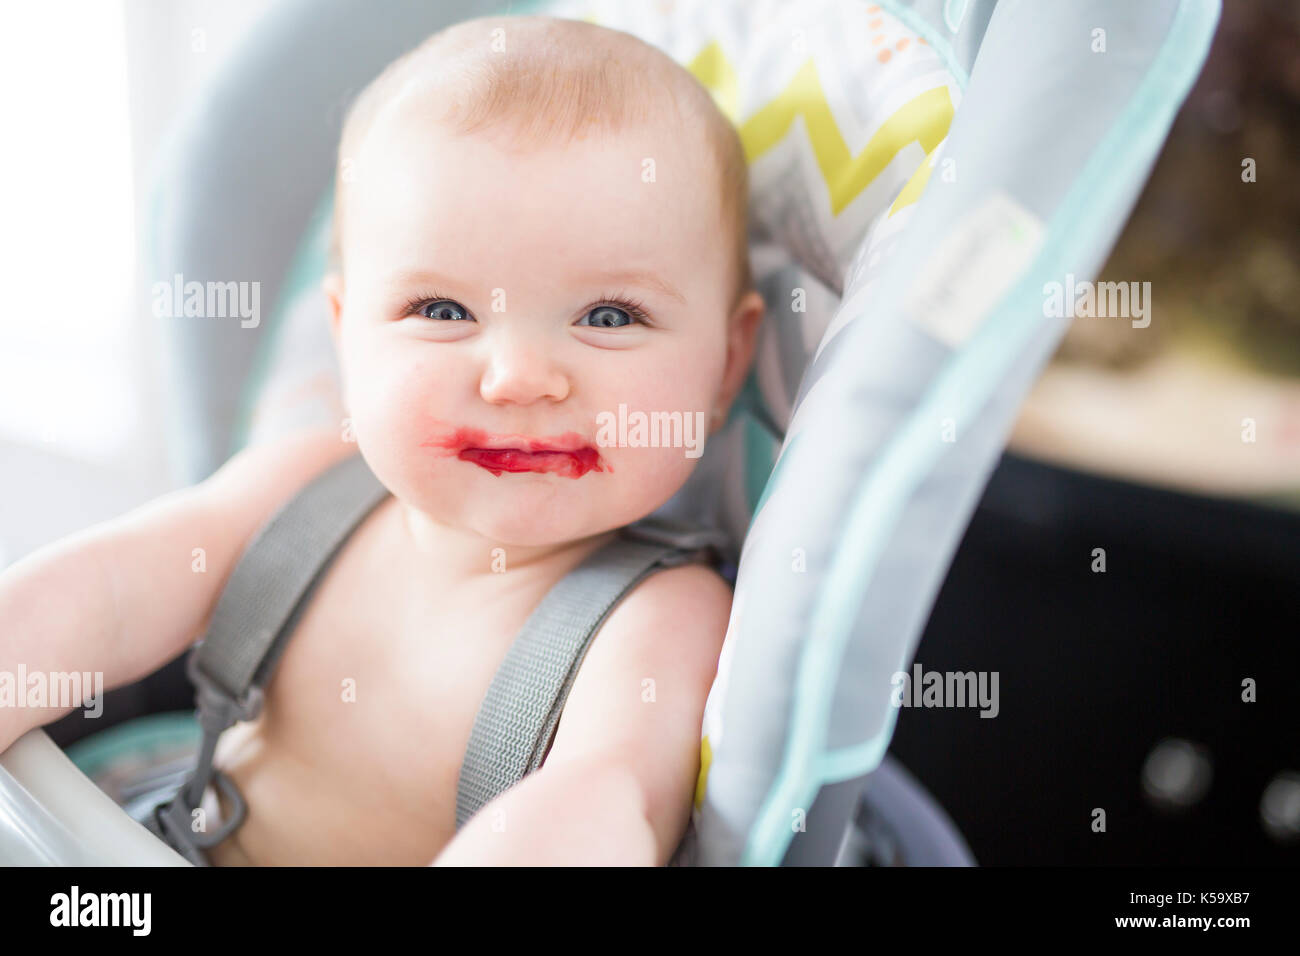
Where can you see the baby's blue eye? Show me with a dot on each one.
(442, 309)
(607, 317)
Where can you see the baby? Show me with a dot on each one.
(537, 221)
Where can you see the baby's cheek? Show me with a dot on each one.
(640, 479)
(393, 409)
(668, 379)
(654, 435)
(676, 390)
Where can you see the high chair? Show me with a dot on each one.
(919, 171)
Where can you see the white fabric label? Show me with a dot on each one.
(972, 269)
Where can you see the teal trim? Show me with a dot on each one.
(307, 267)
(849, 762)
(752, 401)
(759, 452)
(138, 738)
(760, 441)
(937, 41)
(954, 11)
(772, 481)
(151, 230)
(1083, 221)
(154, 213)
(526, 6)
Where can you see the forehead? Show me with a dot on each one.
(476, 204)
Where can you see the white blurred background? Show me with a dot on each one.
(87, 90)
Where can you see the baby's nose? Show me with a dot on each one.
(521, 371)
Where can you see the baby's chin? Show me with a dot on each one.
(528, 510)
(502, 523)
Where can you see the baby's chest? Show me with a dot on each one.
(357, 754)
(374, 685)
(376, 695)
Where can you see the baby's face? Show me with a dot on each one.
(481, 337)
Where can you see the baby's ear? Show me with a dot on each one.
(332, 286)
(742, 337)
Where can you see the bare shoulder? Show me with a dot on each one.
(668, 630)
(638, 700)
(680, 615)
(671, 625)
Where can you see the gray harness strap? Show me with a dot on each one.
(258, 610)
(273, 583)
(521, 709)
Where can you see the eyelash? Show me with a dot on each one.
(632, 306)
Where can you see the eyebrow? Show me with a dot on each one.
(638, 277)
(631, 277)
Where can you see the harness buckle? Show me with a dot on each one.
(173, 821)
(217, 708)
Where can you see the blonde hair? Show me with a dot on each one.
(545, 80)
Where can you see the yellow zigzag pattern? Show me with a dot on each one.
(924, 119)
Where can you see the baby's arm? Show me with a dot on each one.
(125, 596)
(617, 786)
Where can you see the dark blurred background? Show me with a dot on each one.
(1123, 690)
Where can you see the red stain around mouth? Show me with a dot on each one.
(567, 456)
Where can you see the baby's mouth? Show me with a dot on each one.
(568, 455)
(566, 464)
